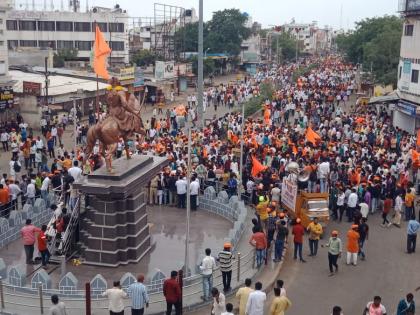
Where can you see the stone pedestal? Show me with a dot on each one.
(114, 230)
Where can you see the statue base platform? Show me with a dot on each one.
(114, 230)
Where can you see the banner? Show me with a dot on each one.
(126, 74)
(138, 77)
(413, 5)
(164, 70)
(31, 88)
(289, 192)
(6, 98)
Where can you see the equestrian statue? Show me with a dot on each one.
(122, 121)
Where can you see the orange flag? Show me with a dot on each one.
(415, 156)
(102, 50)
(257, 167)
(312, 136)
(418, 138)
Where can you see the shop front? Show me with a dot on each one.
(406, 116)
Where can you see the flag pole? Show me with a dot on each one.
(97, 96)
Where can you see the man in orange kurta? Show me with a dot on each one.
(352, 245)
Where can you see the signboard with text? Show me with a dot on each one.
(32, 88)
(138, 77)
(164, 70)
(413, 5)
(6, 98)
(289, 192)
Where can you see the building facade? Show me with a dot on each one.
(58, 30)
(312, 38)
(5, 7)
(407, 111)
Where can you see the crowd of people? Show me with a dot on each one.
(366, 164)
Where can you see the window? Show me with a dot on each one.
(117, 46)
(82, 27)
(408, 30)
(46, 25)
(116, 27)
(27, 25)
(47, 44)
(65, 44)
(11, 25)
(64, 26)
(102, 26)
(415, 76)
(400, 71)
(83, 45)
(28, 43)
(12, 44)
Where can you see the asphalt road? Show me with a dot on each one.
(387, 271)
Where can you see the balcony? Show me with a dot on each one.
(409, 7)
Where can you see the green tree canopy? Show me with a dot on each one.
(209, 66)
(375, 42)
(144, 57)
(286, 46)
(62, 55)
(224, 33)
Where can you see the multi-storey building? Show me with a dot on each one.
(5, 6)
(69, 29)
(407, 112)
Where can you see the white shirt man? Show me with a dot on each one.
(30, 190)
(194, 187)
(323, 169)
(45, 184)
(352, 201)
(256, 301)
(75, 172)
(14, 191)
(181, 186)
(208, 265)
(4, 136)
(115, 298)
(39, 144)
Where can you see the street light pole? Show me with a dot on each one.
(187, 234)
(200, 79)
(241, 165)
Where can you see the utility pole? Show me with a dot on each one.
(187, 233)
(277, 48)
(200, 120)
(241, 165)
(47, 81)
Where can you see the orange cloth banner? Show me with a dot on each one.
(257, 167)
(101, 52)
(312, 136)
(418, 138)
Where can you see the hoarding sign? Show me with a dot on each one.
(413, 5)
(138, 77)
(164, 70)
(32, 88)
(125, 74)
(289, 194)
(6, 98)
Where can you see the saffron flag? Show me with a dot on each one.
(312, 136)
(415, 156)
(257, 167)
(102, 50)
(418, 138)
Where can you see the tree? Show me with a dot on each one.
(224, 33)
(286, 46)
(209, 66)
(62, 55)
(375, 43)
(144, 58)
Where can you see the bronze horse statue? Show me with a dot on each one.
(123, 121)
